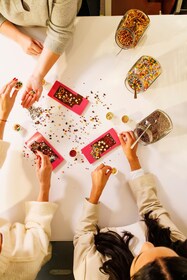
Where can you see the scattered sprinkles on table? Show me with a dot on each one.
(64, 126)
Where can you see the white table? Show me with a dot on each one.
(91, 66)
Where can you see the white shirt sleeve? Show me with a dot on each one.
(137, 173)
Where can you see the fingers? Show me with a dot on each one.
(100, 166)
(3, 89)
(38, 161)
(132, 135)
(36, 47)
(39, 44)
(127, 137)
(9, 86)
(29, 98)
(42, 160)
(105, 168)
(38, 93)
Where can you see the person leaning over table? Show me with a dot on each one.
(58, 16)
(24, 248)
(123, 253)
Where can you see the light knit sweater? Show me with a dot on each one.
(57, 15)
(87, 260)
(25, 247)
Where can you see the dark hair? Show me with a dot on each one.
(112, 245)
(174, 268)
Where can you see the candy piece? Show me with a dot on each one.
(38, 143)
(67, 97)
(125, 119)
(18, 85)
(109, 115)
(114, 170)
(44, 82)
(32, 92)
(17, 127)
(73, 153)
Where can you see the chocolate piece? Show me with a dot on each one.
(45, 149)
(18, 85)
(67, 97)
(102, 145)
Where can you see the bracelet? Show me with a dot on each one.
(3, 120)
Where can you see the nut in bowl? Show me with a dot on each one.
(142, 74)
(131, 28)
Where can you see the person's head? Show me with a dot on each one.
(165, 260)
(158, 263)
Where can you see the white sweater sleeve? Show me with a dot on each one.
(39, 215)
(3, 151)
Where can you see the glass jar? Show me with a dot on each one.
(142, 74)
(131, 28)
(159, 124)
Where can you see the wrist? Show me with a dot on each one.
(4, 116)
(134, 163)
(37, 76)
(94, 197)
(93, 200)
(43, 196)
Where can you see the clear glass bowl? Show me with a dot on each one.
(161, 125)
(142, 74)
(131, 28)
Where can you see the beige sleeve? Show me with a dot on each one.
(87, 260)
(144, 191)
(61, 25)
(40, 215)
(3, 151)
(2, 19)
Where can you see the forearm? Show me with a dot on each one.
(43, 194)
(94, 197)
(2, 127)
(134, 163)
(9, 30)
(89, 219)
(45, 62)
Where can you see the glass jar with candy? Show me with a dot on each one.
(131, 28)
(142, 74)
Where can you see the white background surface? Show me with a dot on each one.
(91, 64)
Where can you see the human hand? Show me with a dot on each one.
(7, 99)
(32, 91)
(30, 45)
(100, 177)
(127, 139)
(44, 170)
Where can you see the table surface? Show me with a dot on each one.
(93, 67)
